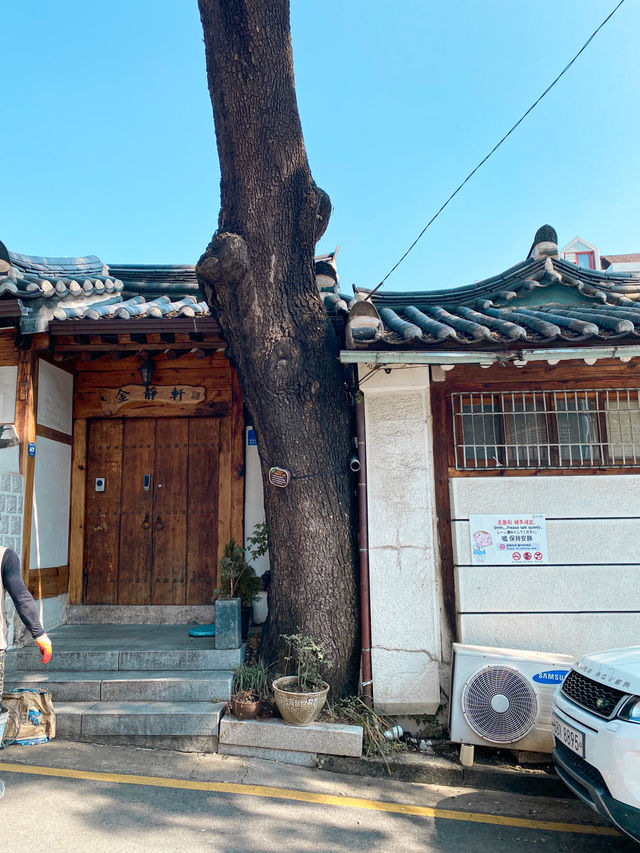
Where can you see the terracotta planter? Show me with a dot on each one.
(298, 709)
(245, 710)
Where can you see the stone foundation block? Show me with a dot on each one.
(283, 756)
(327, 738)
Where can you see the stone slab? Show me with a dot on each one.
(146, 685)
(69, 718)
(63, 686)
(326, 738)
(188, 659)
(177, 686)
(28, 659)
(282, 756)
(152, 718)
(206, 744)
(113, 614)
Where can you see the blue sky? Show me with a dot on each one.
(108, 145)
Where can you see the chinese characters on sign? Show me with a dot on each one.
(111, 399)
(508, 539)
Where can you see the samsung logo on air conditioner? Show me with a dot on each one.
(551, 676)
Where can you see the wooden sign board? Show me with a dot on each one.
(112, 399)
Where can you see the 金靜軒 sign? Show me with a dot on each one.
(508, 539)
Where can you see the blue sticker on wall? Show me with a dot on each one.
(31, 448)
(251, 437)
(551, 676)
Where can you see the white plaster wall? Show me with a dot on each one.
(8, 382)
(55, 398)
(51, 499)
(9, 456)
(405, 610)
(587, 597)
(50, 610)
(253, 498)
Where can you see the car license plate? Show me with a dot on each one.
(570, 737)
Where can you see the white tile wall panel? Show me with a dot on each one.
(580, 541)
(567, 633)
(504, 589)
(574, 496)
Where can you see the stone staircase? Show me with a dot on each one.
(145, 684)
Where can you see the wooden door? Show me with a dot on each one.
(136, 519)
(102, 531)
(170, 512)
(152, 535)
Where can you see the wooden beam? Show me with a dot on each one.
(52, 434)
(77, 518)
(26, 402)
(172, 354)
(48, 583)
(440, 432)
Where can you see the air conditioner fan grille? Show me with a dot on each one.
(512, 695)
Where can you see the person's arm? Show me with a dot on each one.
(24, 602)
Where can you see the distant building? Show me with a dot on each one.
(588, 256)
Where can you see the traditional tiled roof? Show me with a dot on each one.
(87, 289)
(540, 301)
(607, 260)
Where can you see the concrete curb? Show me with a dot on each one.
(437, 770)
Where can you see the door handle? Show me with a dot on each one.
(158, 525)
(146, 524)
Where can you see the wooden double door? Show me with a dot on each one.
(156, 504)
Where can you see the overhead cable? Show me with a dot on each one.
(496, 146)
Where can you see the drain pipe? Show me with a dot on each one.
(363, 539)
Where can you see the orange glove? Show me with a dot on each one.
(44, 644)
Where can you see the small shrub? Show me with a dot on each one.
(307, 659)
(236, 578)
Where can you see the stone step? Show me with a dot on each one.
(191, 726)
(128, 686)
(27, 659)
(115, 614)
(275, 740)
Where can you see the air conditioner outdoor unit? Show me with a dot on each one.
(502, 697)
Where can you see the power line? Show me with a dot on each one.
(496, 146)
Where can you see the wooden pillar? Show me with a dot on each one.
(441, 432)
(26, 402)
(77, 519)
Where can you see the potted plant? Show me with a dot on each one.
(238, 586)
(301, 696)
(250, 687)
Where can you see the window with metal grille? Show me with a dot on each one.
(585, 428)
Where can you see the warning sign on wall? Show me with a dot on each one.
(506, 539)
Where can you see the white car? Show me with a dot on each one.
(596, 727)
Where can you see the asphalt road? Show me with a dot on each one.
(75, 797)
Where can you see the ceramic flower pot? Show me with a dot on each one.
(244, 709)
(298, 709)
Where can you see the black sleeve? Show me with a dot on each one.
(20, 595)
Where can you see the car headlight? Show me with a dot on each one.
(630, 711)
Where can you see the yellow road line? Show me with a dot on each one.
(307, 797)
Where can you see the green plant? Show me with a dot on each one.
(258, 542)
(252, 679)
(236, 578)
(308, 658)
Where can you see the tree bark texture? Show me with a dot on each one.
(258, 276)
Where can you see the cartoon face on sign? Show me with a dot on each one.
(481, 541)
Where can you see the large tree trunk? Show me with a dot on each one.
(258, 276)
